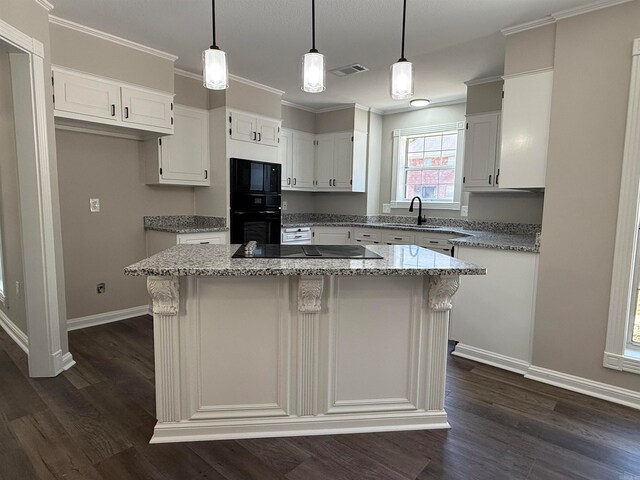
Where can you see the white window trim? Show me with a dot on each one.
(395, 179)
(619, 354)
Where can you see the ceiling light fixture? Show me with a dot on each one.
(314, 71)
(402, 70)
(420, 102)
(214, 61)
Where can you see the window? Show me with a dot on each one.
(428, 164)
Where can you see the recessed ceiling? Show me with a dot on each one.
(449, 41)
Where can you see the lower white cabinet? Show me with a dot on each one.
(367, 236)
(331, 235)
(182, 158)
(492, 316)
(399, 237)
(296, 236)
(159, 241)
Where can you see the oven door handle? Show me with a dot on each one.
(274, 212)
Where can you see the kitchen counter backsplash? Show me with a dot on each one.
(476, 225)
(184, 223)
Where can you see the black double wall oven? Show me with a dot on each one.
(255, 201)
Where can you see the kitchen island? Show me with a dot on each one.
(248, 347)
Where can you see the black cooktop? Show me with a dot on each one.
(306, 251)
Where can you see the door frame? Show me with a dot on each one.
(45, 308)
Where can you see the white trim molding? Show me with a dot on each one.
(110, 38)
(483, 81)
(107, 317)
(491, 358)
(44, 4)
(561, 15)
(629, 398)
(625, 259)
(14, 332)
(235, 78)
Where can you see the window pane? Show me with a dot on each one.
(445, 192)
(450, 142)
(430, 177)
(437, 160)
(415, 160)
(414, 177)
(433, 143)
(447, 176)
(429, 192)
(415, 144)
(412, 190)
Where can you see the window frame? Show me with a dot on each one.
(397, 184)
(3, 295)
(620, 353)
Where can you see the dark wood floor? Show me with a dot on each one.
(94, 422)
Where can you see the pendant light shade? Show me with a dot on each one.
(402, 71)
(214, 61)
(314, 72)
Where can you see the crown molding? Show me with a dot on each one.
(298, 106)
(185, 73)
(336, 108)
(44, 4)
(591, 7)
(528, 72)
(110, 38)
(256, 84)
(409, 108)
(561, 15)
(483, 81)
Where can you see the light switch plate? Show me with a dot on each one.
(94, 205)
(464, 211)
(284, 205)
(386, 208)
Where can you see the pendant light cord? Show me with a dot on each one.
(213, 23)
(313, 26)
(404, 23)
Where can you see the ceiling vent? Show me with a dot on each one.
(349, 70)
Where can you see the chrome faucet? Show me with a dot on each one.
(421, 219)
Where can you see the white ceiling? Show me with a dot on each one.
(449, 41)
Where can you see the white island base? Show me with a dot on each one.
(248, 357)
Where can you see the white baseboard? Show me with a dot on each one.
(14, 332)
(107, 317)
(67, 361)
(491, 358)
(630, 398)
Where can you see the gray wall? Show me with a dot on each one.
(86, 53)
(335, 121)
(592, 56)
(530, 50)
(298, 119)
(97, 246)
(190, 92)
(484, 98)
(10, 227)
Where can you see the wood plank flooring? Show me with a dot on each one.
(94, 422)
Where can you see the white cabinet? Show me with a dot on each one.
(399, 237)
(481, 160)
(296, 236)
(250, 128)
(438, 242)
(331, 235)
(160, 241)
(82, 97)
(182, 158)
(205, 238)
(285, 158)
(488, 310)
(364, 236)
(526, 113)
(341, 162)
(303, 155)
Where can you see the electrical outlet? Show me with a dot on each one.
(284, 205)
(464, 211)
(386, 208)
(101, 288)
(94, 205)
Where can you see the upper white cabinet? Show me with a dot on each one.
(526, 112)
(182, 158)
(303, 151)
(481, 159)
(249, 128)
(82, 97)
(285, 157)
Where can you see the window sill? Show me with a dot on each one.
(427, 205)
(629, 362)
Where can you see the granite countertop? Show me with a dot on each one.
(520, 242)
(215, 260)
(185, 224)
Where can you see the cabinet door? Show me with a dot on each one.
(84, 95)
(526, 112)
(286, 158)
(144, 107)
(268, 132)
(331, 236)
(213, 238)
(184, 156)
(481, 141)
(342, 161)
(303, 160)
(324, 162)
(243, 127)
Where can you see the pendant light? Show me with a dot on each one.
(214, 61)
(313, 66)
(402, 70)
